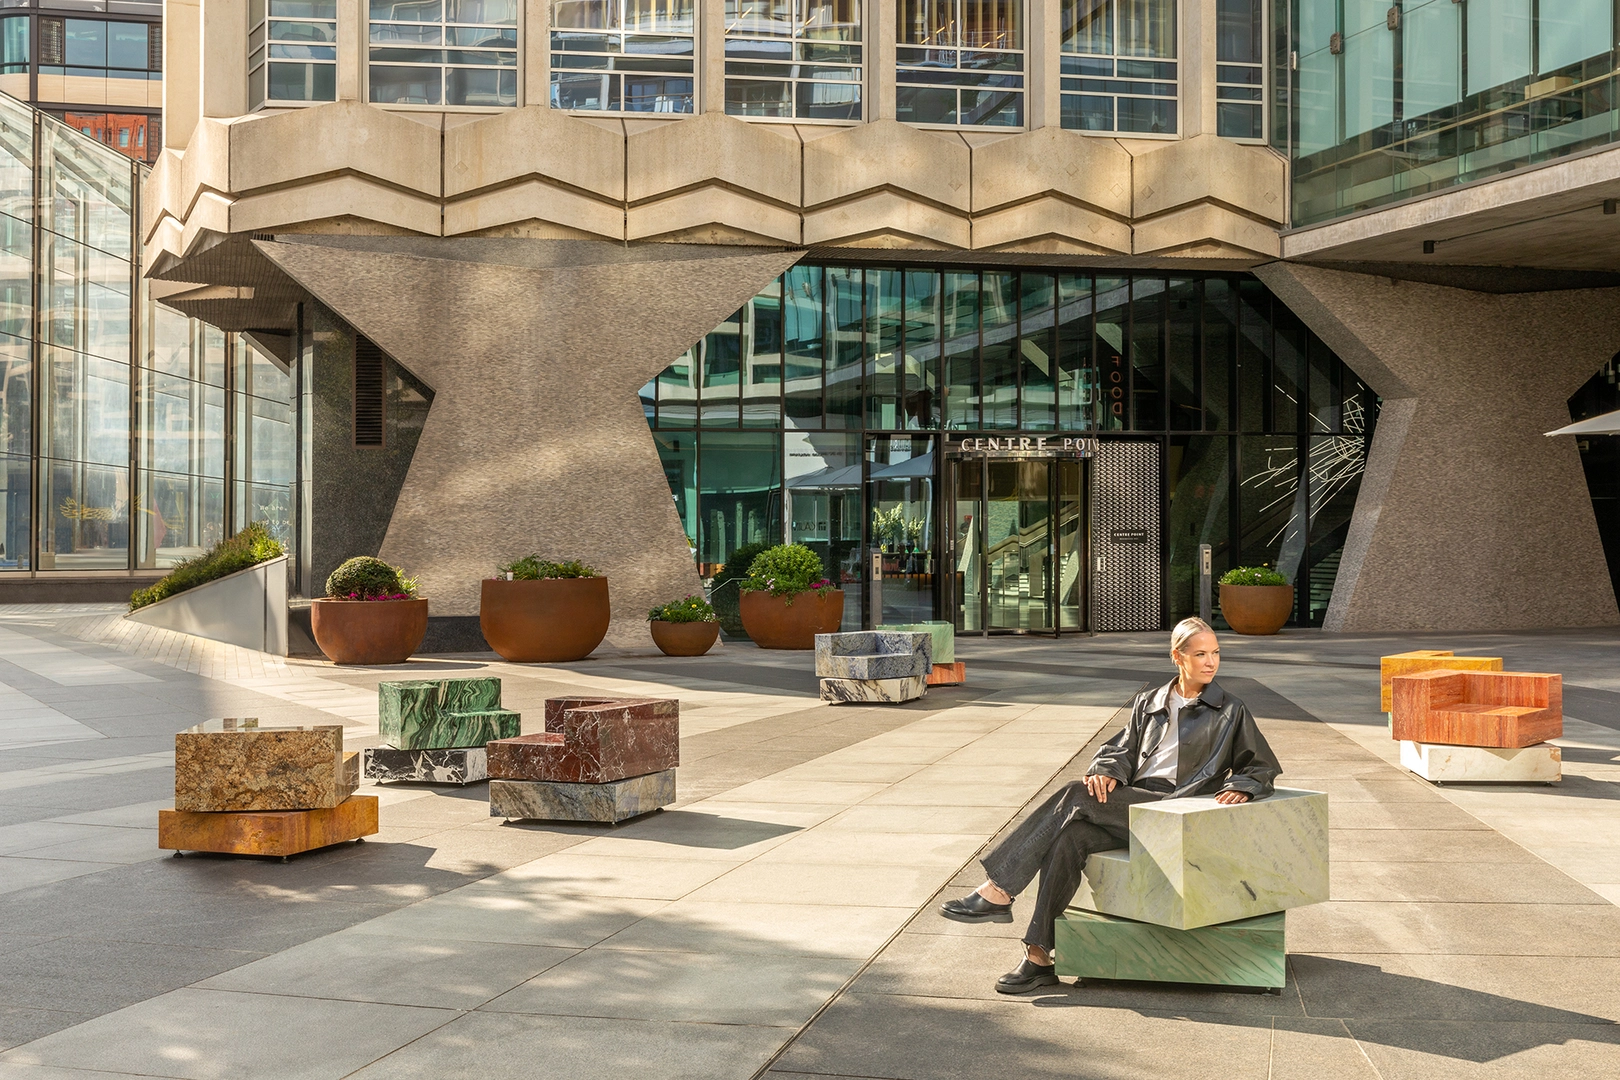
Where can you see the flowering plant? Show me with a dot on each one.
(691, 609)
(786, 571)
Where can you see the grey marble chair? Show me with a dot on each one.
(874, 665)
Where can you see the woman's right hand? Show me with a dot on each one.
(1100, 785)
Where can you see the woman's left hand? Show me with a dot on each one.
(1231, 797)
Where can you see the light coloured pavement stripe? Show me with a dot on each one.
(80, 770)
(748, 910)
(62, 666)
(25, 721)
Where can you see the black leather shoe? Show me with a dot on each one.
(975, 908)
(1026, 977)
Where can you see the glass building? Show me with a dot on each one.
(131, 437)
(850, 407)
(1393, 102)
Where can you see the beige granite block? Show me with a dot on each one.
(236, 764)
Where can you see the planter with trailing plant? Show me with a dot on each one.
(684, 627)
(370, 614)
(787, 599)
(1256, 600)
(539, 612)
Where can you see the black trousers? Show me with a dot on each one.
(1057, 839)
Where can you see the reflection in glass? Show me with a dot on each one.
(822, 494)
(900, 525)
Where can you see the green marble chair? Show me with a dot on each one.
(1199, 895)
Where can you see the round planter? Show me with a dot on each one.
(684, 638)
(544, 622)
(1257, 609)
(368, 631)
(774, 623)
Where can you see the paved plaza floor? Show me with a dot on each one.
(779, 919)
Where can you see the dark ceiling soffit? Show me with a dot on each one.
(1485, 279)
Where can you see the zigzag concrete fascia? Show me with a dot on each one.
(510, 205)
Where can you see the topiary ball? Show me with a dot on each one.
(364, 577)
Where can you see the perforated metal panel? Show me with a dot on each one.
(1126, 583)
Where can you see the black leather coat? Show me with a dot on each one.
(1221, 748)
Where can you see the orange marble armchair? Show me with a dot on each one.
(1505, 709)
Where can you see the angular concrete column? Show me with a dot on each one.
(1469, 518)
(535, 441)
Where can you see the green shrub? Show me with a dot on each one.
(723, 590)
(786, 570)
(1253, 575)
(691, 609)
(365, 578)
(251, 546)
(534, 568)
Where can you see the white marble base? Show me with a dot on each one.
(885, 691)
(1195, 862)
(1542, 763)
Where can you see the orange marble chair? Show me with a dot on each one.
(1409, 663)
(1503, 709)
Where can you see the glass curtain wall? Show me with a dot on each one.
(765, 426)
(623, 55)
(961, 63)
(292, 51)
(1119, 65)
(1392, 102)
(444, 52)
(798, 59)
(116, 437)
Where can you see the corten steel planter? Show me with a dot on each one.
(1257, 609)
(549, 621)
(684, 638)
(773, 623)
(368, 631)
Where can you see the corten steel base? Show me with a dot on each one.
(948, 674)
(267, 832)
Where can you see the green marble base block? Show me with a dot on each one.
(944, 635)
(1249, 952)
(432, 715)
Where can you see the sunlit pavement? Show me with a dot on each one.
(779, 918)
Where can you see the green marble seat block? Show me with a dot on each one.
(431, 715)
(1248, 952)
(1194, 862)
(944, 635)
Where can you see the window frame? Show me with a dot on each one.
(864, 83)
(442, 107)
(1025, 51)
(1264, 65)
(698, 8)
(262, 72)
(1180, 97)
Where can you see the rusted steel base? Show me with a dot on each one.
(267, 832)
(948, 674)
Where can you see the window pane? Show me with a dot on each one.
(86, 43)
(126, 45)
(1570, 31)
(405, 85)
(307, 82)
(1369, 81)
(1431, 71)
(1088, 26)
(1113, 305)
(802, 330)
(1237, 31)
(1147, 28)
(1498, 43)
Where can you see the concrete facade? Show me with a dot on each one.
(1468, 516)
(534, 441)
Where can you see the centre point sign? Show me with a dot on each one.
(1020, 445)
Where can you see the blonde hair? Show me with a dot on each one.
(1186, 630)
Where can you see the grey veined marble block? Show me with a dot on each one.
(883, 691)
(552, 800)
(455, 765)
(873, 654)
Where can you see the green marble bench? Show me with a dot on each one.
(1194, 862)
(1247, 952)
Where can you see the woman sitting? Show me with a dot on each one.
(1187, 737)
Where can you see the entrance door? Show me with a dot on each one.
(1020, 545)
